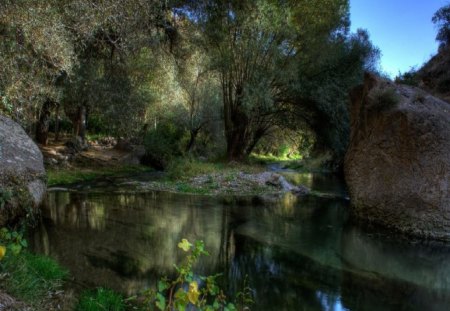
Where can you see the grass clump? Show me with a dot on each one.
(183, 168)
(100, 299)
(384, 99)
(70, 176)
(30, 277)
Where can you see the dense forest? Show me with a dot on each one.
(212, 78)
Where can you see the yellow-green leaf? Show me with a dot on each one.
(2, 251)
(185, 245)
(193, 292)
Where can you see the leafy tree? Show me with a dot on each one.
(35, 49)
(442, 21)
(267, 52)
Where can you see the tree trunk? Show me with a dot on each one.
(80, 124)
(43, 123)
(191, 142)
(57, 122)
(238, 136)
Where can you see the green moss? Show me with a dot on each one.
(70, 176)
(30, 277)
(100, 300)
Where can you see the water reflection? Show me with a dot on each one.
(299, 254)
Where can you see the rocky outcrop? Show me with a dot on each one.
(22, 173)
(397, 166)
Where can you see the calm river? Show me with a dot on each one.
(298, 253)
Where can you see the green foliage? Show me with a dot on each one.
(30, 277)
(185, 168)
(5, 197)
(13, 241)
(188, 290)
(100, 300)
(163, 143)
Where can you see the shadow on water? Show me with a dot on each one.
(298, 253)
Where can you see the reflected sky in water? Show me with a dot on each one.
(298, 253)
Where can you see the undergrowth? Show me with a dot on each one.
(70, 176)
(100, 299)
(26, 276)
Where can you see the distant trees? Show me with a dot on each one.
(442, 20)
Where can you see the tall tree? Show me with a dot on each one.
(256, 46)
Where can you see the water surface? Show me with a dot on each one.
(298, 253)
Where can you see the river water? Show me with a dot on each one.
(297, 253)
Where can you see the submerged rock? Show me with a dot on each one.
(22, 173)
(397, 166)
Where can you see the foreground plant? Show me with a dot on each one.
(191, 292)
(27, 276)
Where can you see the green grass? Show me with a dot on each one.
(185, 168)
(100, 300)
(70, 176)
(30, 277)
(270, 158)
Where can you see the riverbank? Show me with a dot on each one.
(184, 176)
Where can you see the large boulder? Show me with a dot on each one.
(397, 166)
(22, 173)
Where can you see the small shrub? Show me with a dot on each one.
(410, 77)
(162, 144)
(100, 300)
(384, 99)
(191, 292)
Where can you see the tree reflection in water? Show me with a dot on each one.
(298, 253)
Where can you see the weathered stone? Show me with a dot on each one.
(21, 170)
(397, 166)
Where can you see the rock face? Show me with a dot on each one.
(22, 172)
(397, 166)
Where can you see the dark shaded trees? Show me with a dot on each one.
(442, 21)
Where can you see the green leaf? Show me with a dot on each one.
(190, 276)
(181, 295)
(24, 243)
(185, 245)
(230, 307)
(162, 285)
(160, 302)
(15, 248)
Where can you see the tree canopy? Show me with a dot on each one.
(222, 70)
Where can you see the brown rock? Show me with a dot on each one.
(397, 166)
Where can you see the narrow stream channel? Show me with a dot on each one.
(298, 253)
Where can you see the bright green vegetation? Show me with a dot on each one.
(26, 276)
(31, 277)
(184, 291)
(69, 176)
(100, 299)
